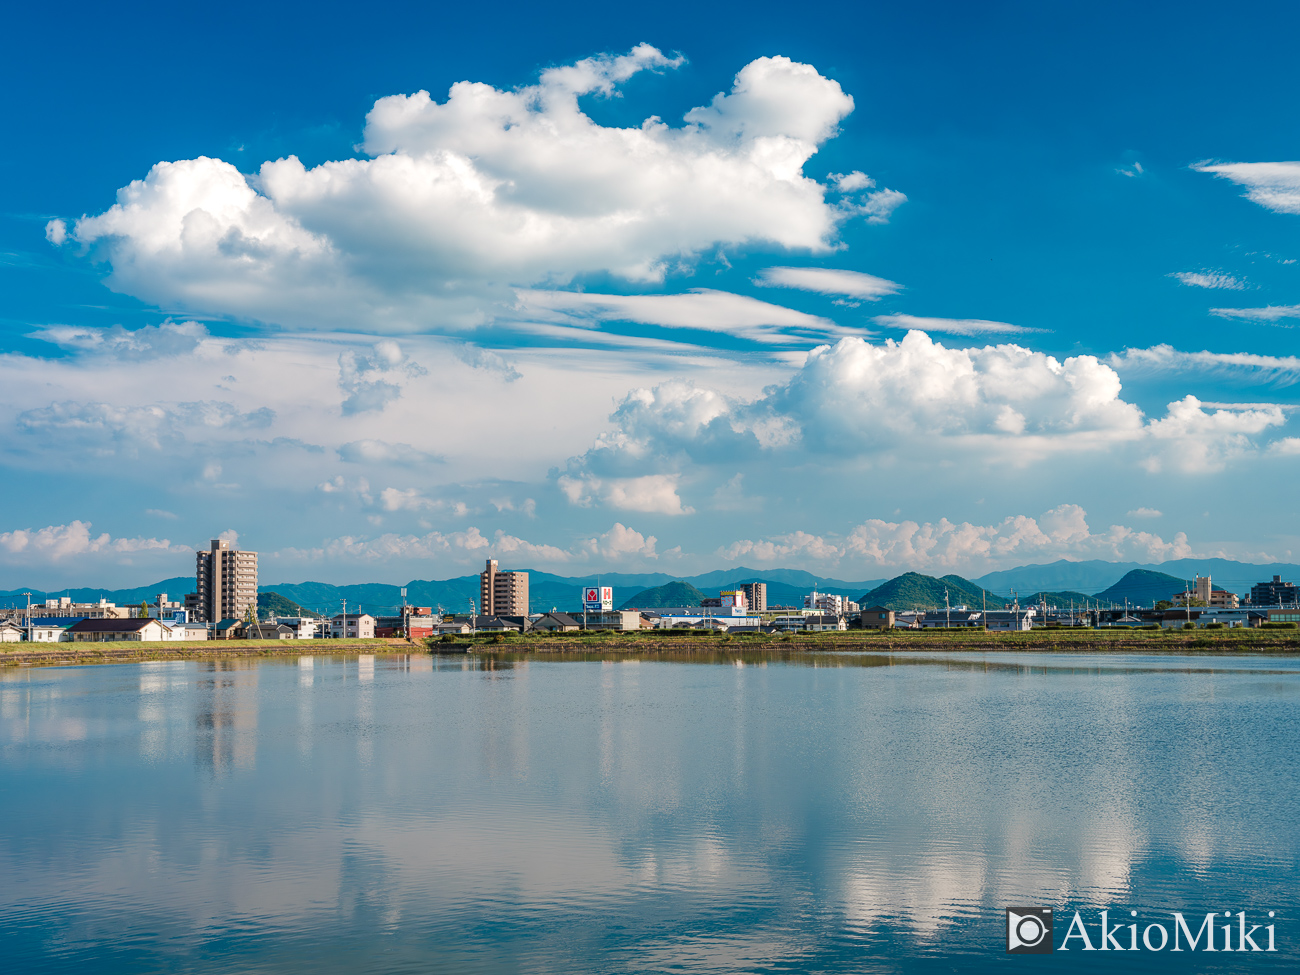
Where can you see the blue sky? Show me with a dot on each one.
(894, 286)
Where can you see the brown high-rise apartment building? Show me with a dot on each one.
(502, 593)
(226, 582)
(755, 595)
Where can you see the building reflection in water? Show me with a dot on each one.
(225, 717)
(306, 678)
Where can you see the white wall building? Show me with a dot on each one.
(359, 626)
(304, 627)
(823, 602)
(51, 629)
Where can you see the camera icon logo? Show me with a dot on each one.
(1029, 931)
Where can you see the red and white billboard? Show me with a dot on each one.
(596, 599)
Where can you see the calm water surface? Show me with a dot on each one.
(820, 813)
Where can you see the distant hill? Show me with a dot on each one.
(545, 590)
(271, 604)
(915, 591)
(670, 594)
(1094, 576)
(787, 581)
(1093, 579)
(1142, 587)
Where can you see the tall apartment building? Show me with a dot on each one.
(1275, 593)
(226, 583)
(755, 596)
(502, 593)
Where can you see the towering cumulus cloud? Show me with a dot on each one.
(458, 201)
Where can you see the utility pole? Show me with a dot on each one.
(947, 623)
(406, 627)
(29, 616)
(345, 619)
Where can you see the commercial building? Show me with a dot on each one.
(825, 602)
(614, 619)
(225, 583)
(165, 609)
(502, 593)
(733, 602)
(417, 622)
(755, 595)
(64, 607)
(1275, 593)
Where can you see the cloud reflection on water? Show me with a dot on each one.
(721, 818)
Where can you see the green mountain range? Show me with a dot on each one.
(270, 604)
(915, 591)
(1064, 582)
(1142, 587)
(678, 593)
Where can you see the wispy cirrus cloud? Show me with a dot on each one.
(618, 545)
(702, 309)
(1270, 314)
(829, 281)
(1280, 370)
(1209, 279)
(1273, 185)
(954, 326)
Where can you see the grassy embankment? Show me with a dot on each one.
(1198, 641)
(120, 651)
(1281, 641)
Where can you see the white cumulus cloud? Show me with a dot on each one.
(460, 200)
(55, 543)
(617, 545)
(946, 546)
(901, 402)
(653, 493)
